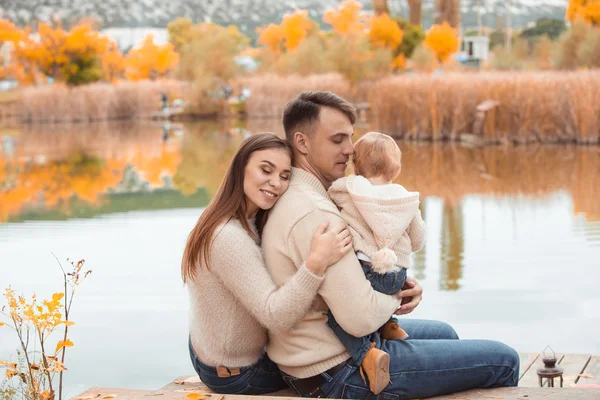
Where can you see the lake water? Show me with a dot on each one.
(513, 249)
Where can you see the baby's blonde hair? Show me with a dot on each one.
(377, 154)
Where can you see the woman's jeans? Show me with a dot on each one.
(431, 362)
(259, 378)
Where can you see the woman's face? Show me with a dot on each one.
(266, 177)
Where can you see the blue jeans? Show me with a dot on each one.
(390, 283)
(259, 378)
(431, 362)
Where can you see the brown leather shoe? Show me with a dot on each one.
(391, 331)
(376, 365)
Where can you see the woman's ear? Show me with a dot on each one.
(300, 142)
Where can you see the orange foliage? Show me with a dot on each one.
(385, 32)
(113, 63)
(347, 19)
(290, 34)
(295, 28)
(272, 36)
(442, 40)
(588, 10)
(63, 55)
(150, 61)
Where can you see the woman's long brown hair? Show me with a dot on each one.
(228, 202)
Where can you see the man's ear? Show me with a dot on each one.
(300, 142)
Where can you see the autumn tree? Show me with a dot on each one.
(180, 32)
(195, 42)
(588, 10)
(348, 19)
(412, 37)
(442, 40)
(448, 11)
(384, 32)
(414, 12)
(72, 56)
(113, 63)
(293, 30)
(380, 7)
(150, 61)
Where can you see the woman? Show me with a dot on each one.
(232, 296)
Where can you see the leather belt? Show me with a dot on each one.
(307, 387)
(225, 372)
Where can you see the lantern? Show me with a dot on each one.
(550, 370)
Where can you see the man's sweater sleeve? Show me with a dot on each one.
(238, 262)
(358, 308)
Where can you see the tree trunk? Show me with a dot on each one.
(381, 7)
(414, 13)
(449, 11)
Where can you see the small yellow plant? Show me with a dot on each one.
(34, 374)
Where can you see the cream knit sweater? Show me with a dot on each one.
(233, 302)
(310, 347)
(384, 220)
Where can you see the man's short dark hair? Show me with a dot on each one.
(302, 111)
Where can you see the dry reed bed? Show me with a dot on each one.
(270, 93)
(533, 106)
(94, 102)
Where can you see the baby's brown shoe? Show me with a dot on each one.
(391, 331)
(376, 365)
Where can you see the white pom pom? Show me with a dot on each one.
(384, 260)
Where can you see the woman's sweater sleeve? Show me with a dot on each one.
(237, 260)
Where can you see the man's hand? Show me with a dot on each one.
(411, 295)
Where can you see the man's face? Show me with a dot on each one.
(330, 146)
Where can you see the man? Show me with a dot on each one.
(319, 126)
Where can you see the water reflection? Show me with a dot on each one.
(52, 172)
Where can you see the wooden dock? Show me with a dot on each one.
(581, 381)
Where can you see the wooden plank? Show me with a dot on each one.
(525, 393)
(574, 365)
(526, 361)
(530, 378)
(193, 383)
(475, 394)
(591, 373)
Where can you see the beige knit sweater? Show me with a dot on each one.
(310, 347)
(233, 302)
(384, 220)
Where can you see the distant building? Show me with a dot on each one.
(126, 38)
(474, 49)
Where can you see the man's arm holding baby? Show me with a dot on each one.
(358, 308)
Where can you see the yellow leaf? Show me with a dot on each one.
(63, 343)
(87, 396)
(2, 323)
(69, 323)
(110, 396)
(197, 396)
(56, 297)
(46, 395)
(178, 382)
(11, 372)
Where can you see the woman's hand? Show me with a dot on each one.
(329, 247)
(411, 295)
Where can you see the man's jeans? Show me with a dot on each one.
(259, 378)
(431, 362)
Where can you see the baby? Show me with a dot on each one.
(386, 226)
